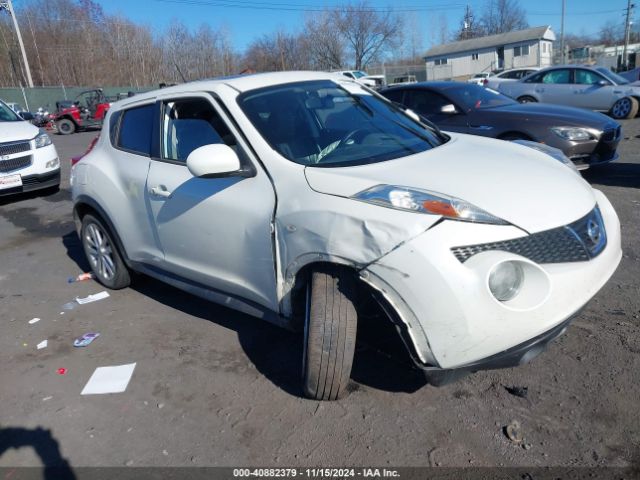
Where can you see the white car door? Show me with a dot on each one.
(213, 231)
(591, 90)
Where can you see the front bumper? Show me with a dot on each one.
(34, 182)
(512, 357)
(454, 322)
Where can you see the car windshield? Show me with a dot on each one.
(474, 97)
(8, 115)
(359, 74)
(613, 76)
(323, 124)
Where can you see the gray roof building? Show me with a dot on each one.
(535, 33)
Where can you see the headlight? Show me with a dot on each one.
(572, 133)
(422, 201)
(505, 280)
(42, 140)
(553, 152)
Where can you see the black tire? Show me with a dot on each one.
(65, 126)
(626, 107)
(102, 254)
(329, 333)
(527, 99)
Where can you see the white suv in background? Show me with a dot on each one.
(28, 159)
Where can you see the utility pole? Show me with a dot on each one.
(627, 31)
(6, 5)
(562, 53)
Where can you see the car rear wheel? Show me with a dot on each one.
(527, 99)
(102, 254)
(626, 107)
(329, 333)
(65, 126)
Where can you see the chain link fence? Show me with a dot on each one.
(46, 97)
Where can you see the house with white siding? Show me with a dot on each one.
(531, 47)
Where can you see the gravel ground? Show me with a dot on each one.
(215, 387)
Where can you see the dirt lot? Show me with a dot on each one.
(214, 387)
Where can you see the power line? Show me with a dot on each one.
(297, 7)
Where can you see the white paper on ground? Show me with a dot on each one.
(42, 344)
(34, 320)
(109, 380)
(92, 298)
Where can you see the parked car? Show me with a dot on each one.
(508, 76)
(587, 138)
(594, 88)
(297, 197)
(404, 79)
(479, 78)
(373, 81)
(28, 159)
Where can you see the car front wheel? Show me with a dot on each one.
(626, 107)
(527, 99)
(102, 254)
(329, 333)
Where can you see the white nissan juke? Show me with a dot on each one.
(28, 159)
(299, 197)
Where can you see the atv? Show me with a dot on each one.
(86, 111)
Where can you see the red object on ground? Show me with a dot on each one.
(62, 371)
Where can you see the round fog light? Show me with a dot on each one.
(505, 280)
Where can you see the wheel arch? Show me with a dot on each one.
(506, 135)
(84, 205)
(392, 305)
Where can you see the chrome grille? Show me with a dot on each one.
(576, 242)
(14, 163)
(14, 147)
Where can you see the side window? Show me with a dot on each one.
(535, 78)
(557, 76)
(394, 95)
(586, 77)
(135, 130)
(113, 126)
(191, 123)
(425, 102)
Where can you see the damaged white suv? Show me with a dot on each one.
(290, 196)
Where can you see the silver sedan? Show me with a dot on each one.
(595, 88)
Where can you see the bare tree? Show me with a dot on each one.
(501, 16)
(324, 42)
(369, 33)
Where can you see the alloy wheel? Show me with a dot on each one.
(99, 251)
(622, 108)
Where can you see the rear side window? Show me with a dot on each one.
(135, 130)
(113, 126)
(394, 95)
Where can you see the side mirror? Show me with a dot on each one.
(215, 160)
(449, 109)
(26, 115)
(602, 83)
(414, 116)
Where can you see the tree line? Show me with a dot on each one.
(75, 43)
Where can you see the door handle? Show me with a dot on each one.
(160, 191)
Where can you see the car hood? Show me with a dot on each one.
(15, 131)
(525, 187)
(560, 115)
